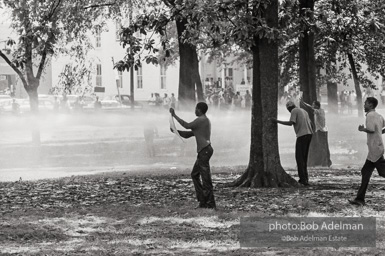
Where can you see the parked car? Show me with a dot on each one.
(88, 102)
(8, 106)
(45, 105)
(84, 102)
(5, 100)
(126, 100)
(110, 103)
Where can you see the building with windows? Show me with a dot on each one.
(110, 82)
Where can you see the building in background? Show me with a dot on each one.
(147, 79)
(234, 74)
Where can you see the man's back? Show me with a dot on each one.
(301, 120)
(201, 127)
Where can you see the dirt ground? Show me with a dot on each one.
(123, 214)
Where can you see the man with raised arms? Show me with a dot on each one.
(201, 129)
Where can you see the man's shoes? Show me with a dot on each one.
(304, 183)
(200, 205)
(357, 202)
(207, 206)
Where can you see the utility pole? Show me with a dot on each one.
(131, 69)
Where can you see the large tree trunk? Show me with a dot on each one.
(34, 105)
(307, 75)
(332, 87)
(264, 169)
(356, 84)
(189, 77)
(196, 76)
(307, 67)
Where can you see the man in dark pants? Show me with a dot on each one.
(201, 129)
(299, 118)
(374, 129)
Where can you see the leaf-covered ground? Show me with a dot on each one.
(119, 214)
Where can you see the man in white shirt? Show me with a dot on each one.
(374, 129)
(299, 118)
(319, 154)
(166, 101)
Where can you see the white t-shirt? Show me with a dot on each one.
(301, 120)
(375, 122)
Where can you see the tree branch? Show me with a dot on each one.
(54, 8)
(169, 3)
(41, 65)
(98, 5)
(13, 66)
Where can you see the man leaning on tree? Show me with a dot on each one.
(299, 118)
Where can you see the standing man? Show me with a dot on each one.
(97, 104)
(201, 129)
(299, 118)
(166, 101)
(374, 129)
(319, 154)
(247, 100)
(172, 101)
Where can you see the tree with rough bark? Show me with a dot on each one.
(307, 64)
(253, 26)
(157, 17)
(347, 34)
(352, 35)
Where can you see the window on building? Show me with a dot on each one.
(118, 27)
(139, 78)
(98, 74)
(120, 73)
(163, 77)
(98, 38)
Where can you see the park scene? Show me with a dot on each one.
(175, 127)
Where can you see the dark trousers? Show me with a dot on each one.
(301, 153)
(366, 173)
(201, 171)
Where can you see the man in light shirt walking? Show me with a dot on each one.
(374, 129)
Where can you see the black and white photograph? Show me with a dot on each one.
(192, 127)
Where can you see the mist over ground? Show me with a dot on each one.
(82, 143)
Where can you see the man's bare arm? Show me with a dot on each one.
(361, 128)
(181, 121)
(186, 134)
(288, 123)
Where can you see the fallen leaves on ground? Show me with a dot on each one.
(328, 193)
(116, 214)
